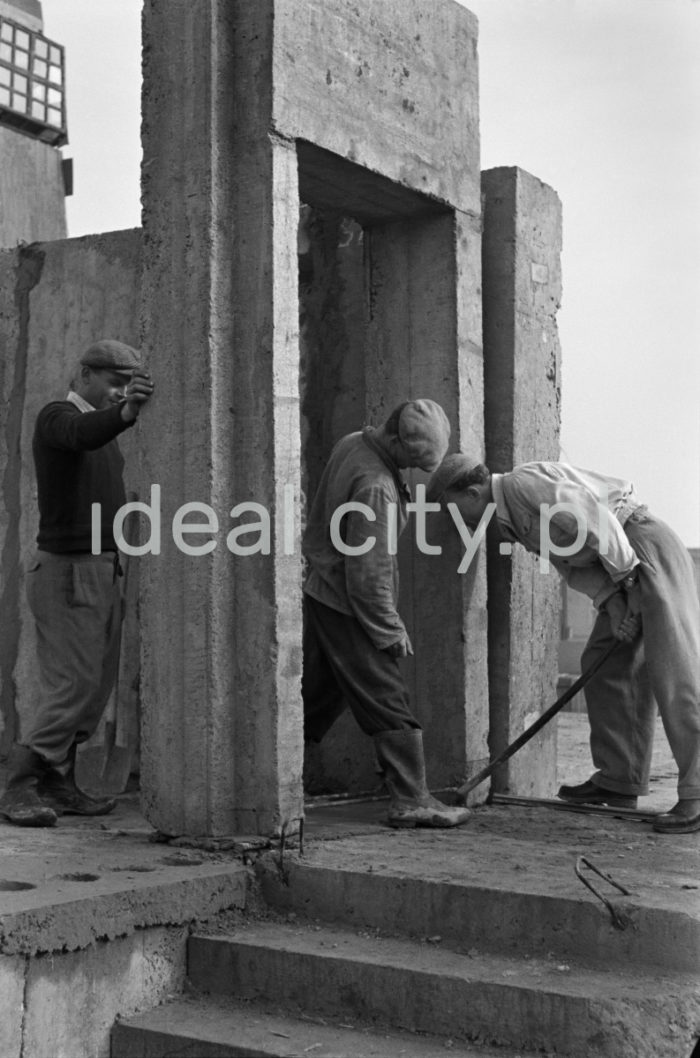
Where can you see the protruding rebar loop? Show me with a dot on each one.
(619, 922)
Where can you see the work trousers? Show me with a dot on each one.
(661, 667)
(76, 600)
(342, 668)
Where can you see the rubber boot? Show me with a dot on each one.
(60, 790)
(21, 803)
(400, 753)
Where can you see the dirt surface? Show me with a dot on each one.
(530, 849)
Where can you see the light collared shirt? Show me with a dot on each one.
(79, 402)
(572, 498)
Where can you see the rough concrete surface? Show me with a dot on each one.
(32, 181)
(94, 918)
(55, 299)
(102, 879)
(383, 980)
(391, 86)
(221, 645)
(111, 909)
(213, 1028)
(522, 384)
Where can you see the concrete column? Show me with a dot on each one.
(522, 379)
(221, 653)
(424, 341)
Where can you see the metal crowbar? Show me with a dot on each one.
(519, 742)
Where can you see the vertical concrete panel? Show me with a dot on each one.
(333, 315)
(419, 345)
(72, 999)
(332, 310)
(32, 196)
(521, 291)
(12, 971)
(222, 631)
(19, 273)
(418, 271)
(55, 299)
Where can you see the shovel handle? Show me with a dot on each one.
(539, 723)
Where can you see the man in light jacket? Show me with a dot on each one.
(640, 577)
(354, 635)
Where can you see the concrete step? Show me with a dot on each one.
(204, 1027)
(552, 913)
(495, 1000)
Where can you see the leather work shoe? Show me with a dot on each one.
(684, 818)
(20, 803)
(588, 793)
(64, 797)
(23, 807)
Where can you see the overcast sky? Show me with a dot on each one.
(600, 99)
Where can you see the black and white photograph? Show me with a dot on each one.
(349, 528)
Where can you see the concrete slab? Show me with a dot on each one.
(383, 981)
(111, 863)
(65, 887)
(106, 897)
(507, 882)
(197, 1027)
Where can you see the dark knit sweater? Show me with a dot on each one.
(78, 463)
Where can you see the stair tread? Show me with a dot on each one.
(429, 956)
(235, 1027)
(518, 862)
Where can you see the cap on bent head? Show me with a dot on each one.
(424, 432)
(110, 355)
(452, 469)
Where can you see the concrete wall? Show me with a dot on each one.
(55, 298)
(522, 292)
(389, 101)
(64, 1004)
(248, 111)
(391, 85)
(379, 312)
(370, 120)
(32, 197)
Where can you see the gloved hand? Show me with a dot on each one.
(401, 649)
(632, 621)
(625, 621)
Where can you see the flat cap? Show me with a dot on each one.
(111, 355)
(450, 470)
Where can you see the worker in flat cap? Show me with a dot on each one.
(354, 636)
(641, 579)
(74, 595)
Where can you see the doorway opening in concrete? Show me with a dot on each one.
(377, 304)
